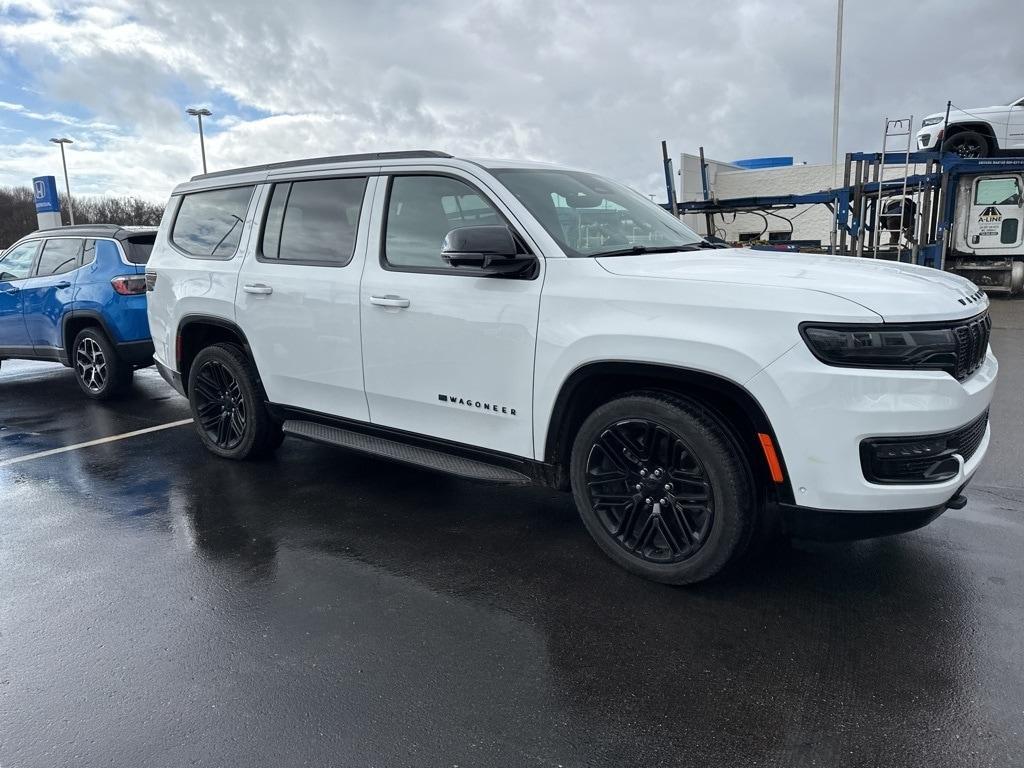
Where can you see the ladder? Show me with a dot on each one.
(896, 131)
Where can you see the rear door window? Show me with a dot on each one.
(209, 224)
(313, 222)
(59, 256)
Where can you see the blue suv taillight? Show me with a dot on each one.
(129, 285)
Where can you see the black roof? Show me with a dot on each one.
(406, 155)
(92, 230)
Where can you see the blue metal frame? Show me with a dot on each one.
(840, 199)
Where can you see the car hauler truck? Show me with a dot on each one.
(940, 210)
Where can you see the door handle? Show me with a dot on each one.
(63, 284)
(261, 289)
(11, 291)
(390, 301)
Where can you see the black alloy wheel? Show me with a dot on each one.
(220, 405)
(967, 144)
(229, 404)
(650, 491)
(663, 487)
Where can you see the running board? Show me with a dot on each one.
(410, 454)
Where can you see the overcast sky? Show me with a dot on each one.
(591, 84)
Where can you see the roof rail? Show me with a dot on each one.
(83, 228)
(405, 155)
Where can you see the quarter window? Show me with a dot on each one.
(18, 262)
(422, 210)
(209, 224)
(313, 222)
(59, 256)
(89, 253)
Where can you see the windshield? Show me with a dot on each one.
(590, 216)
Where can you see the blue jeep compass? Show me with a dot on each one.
(77, 296)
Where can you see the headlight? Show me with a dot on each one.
(882, 346)
(930, 121)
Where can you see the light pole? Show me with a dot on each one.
(200, 114)
(67, 184)
(835, 97)
(835, 118)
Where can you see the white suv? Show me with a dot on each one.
(519, 322)
(975, 132)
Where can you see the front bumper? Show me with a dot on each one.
(929, 138)
(821, 414)
(845, 525)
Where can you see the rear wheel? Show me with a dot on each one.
(228, 405)
(663, 488)
(967, 144)
(100, 373)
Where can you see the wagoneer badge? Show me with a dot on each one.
(469, 402)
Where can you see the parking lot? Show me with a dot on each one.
(159, 606)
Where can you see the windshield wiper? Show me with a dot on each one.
(635, 249)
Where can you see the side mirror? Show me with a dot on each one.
(491, 248)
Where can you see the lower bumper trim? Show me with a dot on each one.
(136, 353)
(171, 377)
(842, 525)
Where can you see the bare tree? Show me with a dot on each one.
(18, 212)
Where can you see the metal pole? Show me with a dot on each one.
(670, 186)
(67, 185)
(709, 218)
(835, 98)
(202, 142)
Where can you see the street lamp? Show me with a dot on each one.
(200, 114)
(67, 184)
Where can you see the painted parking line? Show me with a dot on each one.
(90, 443)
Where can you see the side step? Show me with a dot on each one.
(410, 454)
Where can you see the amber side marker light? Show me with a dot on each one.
(771, 457)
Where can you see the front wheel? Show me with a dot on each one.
(967, 144)
(663, 488)
(227, 404)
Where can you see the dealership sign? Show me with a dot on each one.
(45, 188)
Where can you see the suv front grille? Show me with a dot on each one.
(971, 345)
(921, 458)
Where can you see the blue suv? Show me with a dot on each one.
(77, 296)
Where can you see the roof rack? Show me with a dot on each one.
(108, 228)
(405, 155)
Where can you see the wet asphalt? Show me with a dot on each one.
(161, 607)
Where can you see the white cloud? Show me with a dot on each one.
(594, 84)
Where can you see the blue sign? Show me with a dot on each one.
(45, 188)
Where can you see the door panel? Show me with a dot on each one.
(446, 353)
(298, 293)
(15, 267)
(1015, 128)
(997, 210)
(49, 292)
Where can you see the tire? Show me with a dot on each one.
(648, 530)
(967, 144)
(100, 373)
(228, 405)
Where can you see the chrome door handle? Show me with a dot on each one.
(389, 301)
(261, 289)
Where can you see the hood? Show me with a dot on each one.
(959, 115)
(896, 292)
